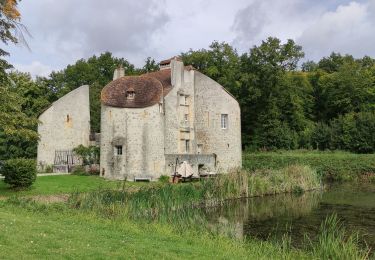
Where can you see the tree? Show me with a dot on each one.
(220, 62)
(267, 93)
(29, 100)
(97, 71)
(11, 31)
(150, 65)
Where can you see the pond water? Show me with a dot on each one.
(273, 217)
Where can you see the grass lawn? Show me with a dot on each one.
(52, 233)
(48, 185)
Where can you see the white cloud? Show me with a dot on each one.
(65, 31)
(348, 29)
(284, 19)
(36, 68)
(69, 30)
(321, 27)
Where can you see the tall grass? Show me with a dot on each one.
(158, 201)
(336, 166)
(334, 243)
(183, 207)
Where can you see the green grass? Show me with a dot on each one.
(160, 200)
(330, 165)
(158, 221)
(63, 184)
(55, 232)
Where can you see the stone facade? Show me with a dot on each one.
(64, 126)
(148, 124)
(186, 125)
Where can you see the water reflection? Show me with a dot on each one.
(274, 216)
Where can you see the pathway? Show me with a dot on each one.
(47, 174)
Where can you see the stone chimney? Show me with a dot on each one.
(119, 72)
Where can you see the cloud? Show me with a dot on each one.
(321, 27)
(348, 29)
(36, 68)
(73, 29)
(278, 18)
(64, 31)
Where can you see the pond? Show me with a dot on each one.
(273, 217)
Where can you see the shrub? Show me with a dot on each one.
(49, 169)
(164, 179)
(19, 173)
(89, 155)
(94, 171)
(79, 170)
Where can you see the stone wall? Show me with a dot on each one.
(152, 138)
(195, 161)
(212, 100)
(176, 128)
(64, 125)
(140, 132)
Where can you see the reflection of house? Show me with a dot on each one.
(149, 121)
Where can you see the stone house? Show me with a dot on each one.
(152, 122)
(64, 126)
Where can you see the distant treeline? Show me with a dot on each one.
(285, 104)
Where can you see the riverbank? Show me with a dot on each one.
(160, 221)
(331, 166)
(160, 200)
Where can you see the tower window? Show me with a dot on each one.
(67, 118)
(187, 146)
(200, 148)
(224, 121)
(130, 94)
(183, 100)
(118, 149)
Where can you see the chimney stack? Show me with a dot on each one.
(119, 72)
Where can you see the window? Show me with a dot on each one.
(130, 94)
(118, 149)
(161, 110)
(199, 148)
(67, 118)
(224, 121)
(186, 117)
(187, 146)
(183, 100)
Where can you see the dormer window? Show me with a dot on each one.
(130, 94)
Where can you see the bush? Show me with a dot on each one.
(49, 169)
(164, 179)
(19, 173)
(79, 170)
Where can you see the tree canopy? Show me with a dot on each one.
(285, 104)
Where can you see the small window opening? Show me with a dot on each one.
(118, 149)
(199, 148)
(183, 100)
(161, 110)
(130, 94)
(224, 121)
(67, 118)
(187, 146)
(186, 117)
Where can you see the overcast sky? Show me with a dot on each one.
(64, 31)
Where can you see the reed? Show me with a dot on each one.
(159, 201)
(335, 243)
